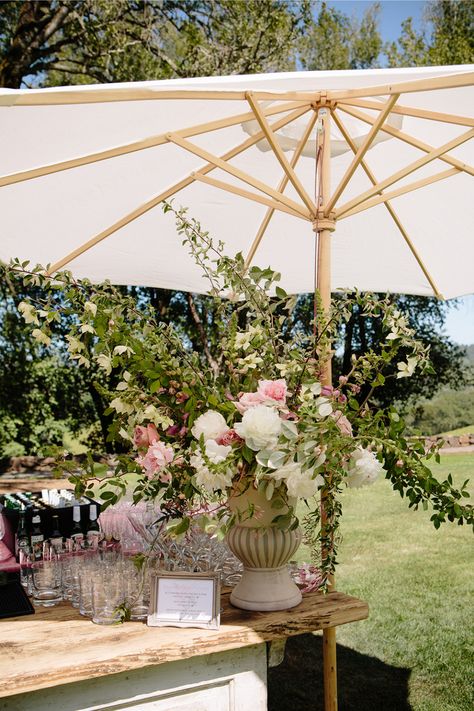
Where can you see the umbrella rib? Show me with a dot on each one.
(281, 187)
(411, 111)
(436, 153)
(445, 82)
(246, 194)
(362, 150)
(42, 97)
(237, 173)
(411, 187)
(277, 150)
(407, 138)
(154, 201)
(148, 142)
(391, 211)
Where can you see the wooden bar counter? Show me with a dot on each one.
(58, 660)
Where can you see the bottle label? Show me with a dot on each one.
(56, 543)
(93, 539)
(37, 546)
(77, 541)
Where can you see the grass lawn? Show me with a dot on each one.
(415, 651)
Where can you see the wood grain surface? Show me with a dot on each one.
(58, 646)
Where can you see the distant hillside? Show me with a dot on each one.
(469, 353)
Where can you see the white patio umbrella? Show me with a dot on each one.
(377, 163)
(82, 167)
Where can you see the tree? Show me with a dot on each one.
(90, 41)
(42, 396)
(335, 41)
(448, 38)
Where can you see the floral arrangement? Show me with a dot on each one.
(249, 408)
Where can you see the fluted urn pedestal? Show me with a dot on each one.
(264, 550)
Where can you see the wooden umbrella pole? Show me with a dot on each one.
(323, 228)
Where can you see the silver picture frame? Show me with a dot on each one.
(184, 599)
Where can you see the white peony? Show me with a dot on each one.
(211, 425)
(298, 483)
(260, 427)
(364, 468)
(216, 452)
(207, 479)
(284, 472)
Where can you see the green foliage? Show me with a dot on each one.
(335, 41)
(89, 41)
(448, 39)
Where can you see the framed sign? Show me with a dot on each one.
(181, 599)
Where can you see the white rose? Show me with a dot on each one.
(364, 468)
(216, 452)
(260, 427)
(211, 425)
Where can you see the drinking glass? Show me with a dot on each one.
(46, 582)
(107, 595)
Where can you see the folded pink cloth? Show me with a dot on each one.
(5, 553)
(8, 539)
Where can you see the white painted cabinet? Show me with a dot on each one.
(226, 681)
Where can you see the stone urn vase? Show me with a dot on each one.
(264, 550)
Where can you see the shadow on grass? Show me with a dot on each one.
(364, 683)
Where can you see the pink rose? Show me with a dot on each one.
(248, 400)
(273, 389)
(342, 422)
(229, 438)
(144, 436)
(157, 457)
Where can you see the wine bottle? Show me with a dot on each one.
(77, 536)
(36, 537)
(56, 537)
(22, 539)
(11, 503)
(93, 529)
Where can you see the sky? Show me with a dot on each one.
(460, 319)
(392, 13)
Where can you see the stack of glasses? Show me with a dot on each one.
(100, 583)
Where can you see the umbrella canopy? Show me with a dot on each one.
(84, 169)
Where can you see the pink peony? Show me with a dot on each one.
(144, 436)
(342, 422)
(273, 389)
(248, 400)
(157, 457)
(229, 438)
